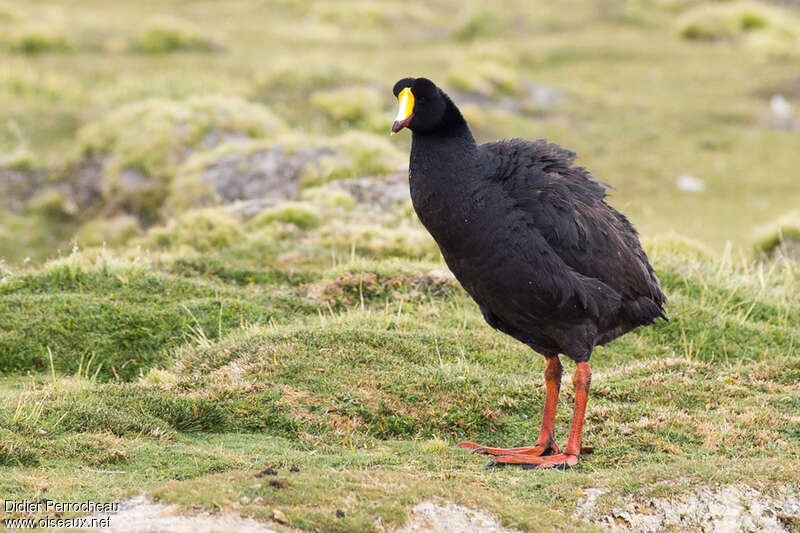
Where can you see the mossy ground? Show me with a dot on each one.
(199, 347)
(191, 374)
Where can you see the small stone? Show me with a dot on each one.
(259, 501)
(780, 107)
(339, 513)
(244, 500)
(278, 516)
(255, 486)
(294, 468)
(689, 183)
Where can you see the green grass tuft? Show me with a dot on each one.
(301, 214)
(163, 35)
(751, 22)
(362, 107)
(33, 39)
(483, 23)
(783, 236)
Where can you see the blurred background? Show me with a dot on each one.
(118, 119)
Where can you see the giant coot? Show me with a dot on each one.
(531, 239)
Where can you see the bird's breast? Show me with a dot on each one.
(450, 214)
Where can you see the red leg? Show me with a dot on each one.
(546, 442)
(581, 379)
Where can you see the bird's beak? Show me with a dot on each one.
(405, 111)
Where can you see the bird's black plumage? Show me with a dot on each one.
(527, 233)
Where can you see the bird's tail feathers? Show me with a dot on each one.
(643, 311)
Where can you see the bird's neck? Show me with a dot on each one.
(445, 149)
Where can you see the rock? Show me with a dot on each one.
(540, 95)
(139, 514)
(83, 180)
(217, 136)
(789, 248)
(250, 208)
(18, 185)
(530, 97)
(433, 518)
(383, 191)
(272, 174)
(689, 183)
(253, 175)
(781, 114)
(780, 107)
(132, 181)
(279, 517)
(732, 508)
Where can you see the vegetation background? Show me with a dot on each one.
(209, 264)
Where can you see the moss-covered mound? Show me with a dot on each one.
(358, 106)
(484, 76)
(141, 145)
(751, 23)
(781, 237)
(122, 314)
(37, 37)
(277, 169)
(165, 34)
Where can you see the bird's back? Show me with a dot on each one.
(566, 207)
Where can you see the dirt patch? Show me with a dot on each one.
(140, 515)
(351, 287)
(733, 508)
(429, 517)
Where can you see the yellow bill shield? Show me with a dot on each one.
(405, 110)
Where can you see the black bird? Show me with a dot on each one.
(531, 239)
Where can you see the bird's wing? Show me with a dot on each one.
(566, 206)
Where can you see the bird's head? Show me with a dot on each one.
(422, 105)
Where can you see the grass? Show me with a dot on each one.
(167, 35)
(190, 373)
(149, 328)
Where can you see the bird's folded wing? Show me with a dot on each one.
(566, 206)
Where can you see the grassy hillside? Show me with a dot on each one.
(209, 265)
(190, 373)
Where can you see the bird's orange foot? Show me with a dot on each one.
(534, 451)
(559, 460)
